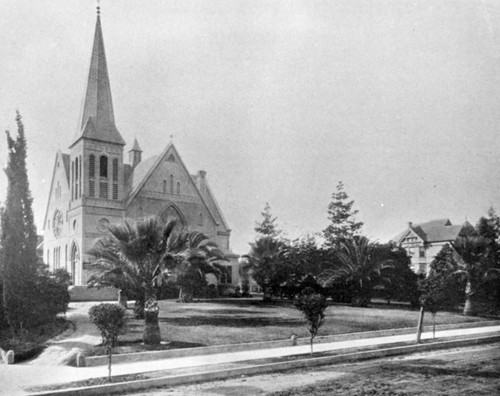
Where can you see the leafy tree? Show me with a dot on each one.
(489, 228)
(475, 260)
(265, 264)
(18, 238)
(360, 268)
(343, 224)
(267, 227)
(444, 267)
(313, 306)
(399, 281)
(434, 296)
(110, 321)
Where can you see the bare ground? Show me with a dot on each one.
(459, 371)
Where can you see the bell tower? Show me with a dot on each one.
(96, 162)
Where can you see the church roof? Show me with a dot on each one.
(97, 120)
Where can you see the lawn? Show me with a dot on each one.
(250, 320)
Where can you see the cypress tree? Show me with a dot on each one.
(18, 237)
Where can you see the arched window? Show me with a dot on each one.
(75, 258)
(164, 186)
(171, 184)
(76, 177)
(103, 166)
(103, 173)
(92, 175)
(178, 188)
(200, 219)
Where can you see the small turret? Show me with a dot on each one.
(135, 154)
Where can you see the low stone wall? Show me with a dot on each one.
(6, 357)
(83, 293)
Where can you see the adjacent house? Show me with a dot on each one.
(424, 241)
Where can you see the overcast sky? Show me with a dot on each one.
(276, 100)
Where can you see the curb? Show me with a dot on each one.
(263, 368)
(201, 351)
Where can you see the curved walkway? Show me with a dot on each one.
(82, 335)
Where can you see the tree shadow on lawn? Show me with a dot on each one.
(220, 312)
(233, 321)
(242, 302)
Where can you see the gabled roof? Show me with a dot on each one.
(97, 119)
(141, 173)
(440, 230)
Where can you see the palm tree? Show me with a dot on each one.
(474, 256)
(200, 257)
(138, 258)
(110, 269)
(358, 267)
(264, 263)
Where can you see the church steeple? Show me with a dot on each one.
(97, 120)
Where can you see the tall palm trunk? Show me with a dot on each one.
(151, 335)
(470, 308)
(185, 295)
(268, 296)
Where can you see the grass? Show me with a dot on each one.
(251, 320)
(32, 341)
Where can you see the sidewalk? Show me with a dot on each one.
(16, 378)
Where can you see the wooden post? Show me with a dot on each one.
(420, 324)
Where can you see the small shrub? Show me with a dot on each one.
(110, 321)
(313, 306)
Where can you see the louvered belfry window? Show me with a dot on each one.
(92, 175)
(115, 178)
(103, 173)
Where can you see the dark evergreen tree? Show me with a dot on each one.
(18, 238)
(343, 224)
(267, 227)
(489, 228)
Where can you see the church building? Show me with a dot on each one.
(92, 186)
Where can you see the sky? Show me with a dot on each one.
(277, 100)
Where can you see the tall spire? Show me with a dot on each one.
(97, 118)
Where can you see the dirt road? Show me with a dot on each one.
(459, 371)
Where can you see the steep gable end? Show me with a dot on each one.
(59, 185)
